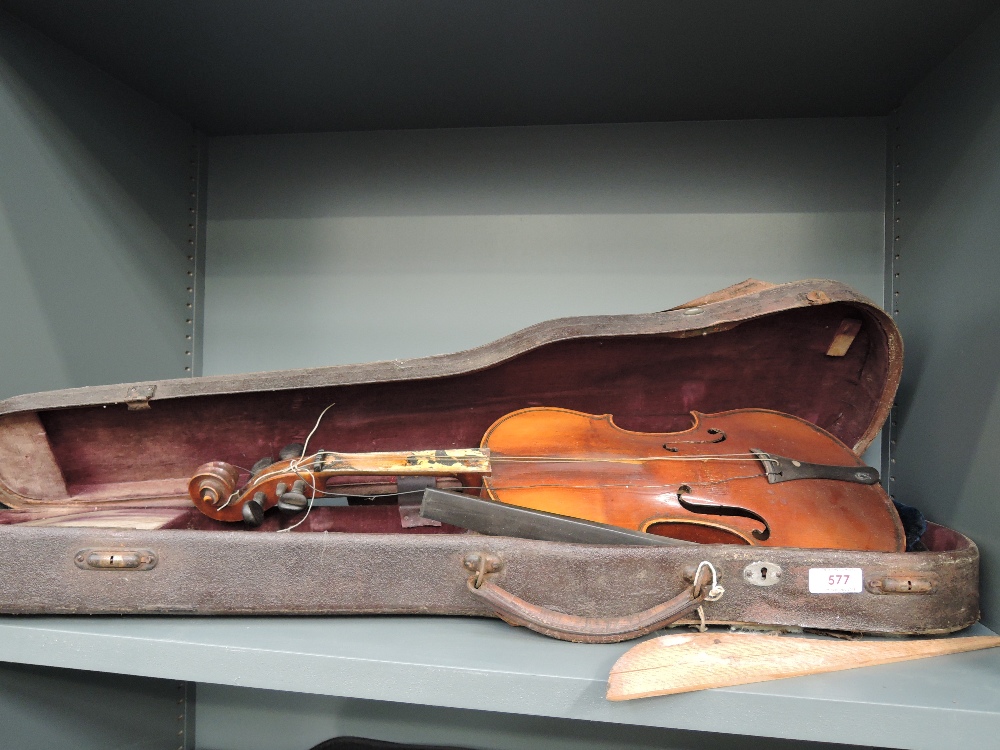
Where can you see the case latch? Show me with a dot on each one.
(115, 559)
(903, 584)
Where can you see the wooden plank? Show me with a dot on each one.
(683, 663)
(115, 518)
(28, 469)
(842, 340)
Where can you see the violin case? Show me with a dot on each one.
(98, 517)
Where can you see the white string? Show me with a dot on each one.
(315, 427)
(714, 594)
(701, 627)
(293, 465)
(305, 515)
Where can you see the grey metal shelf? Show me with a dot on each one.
(99, 198)
(951, 701)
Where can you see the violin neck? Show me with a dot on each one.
(431, 463)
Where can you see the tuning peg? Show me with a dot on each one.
(261, 465)
(253, 510)
(290, 451)
(294, 501)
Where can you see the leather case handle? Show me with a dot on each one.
(516, 611)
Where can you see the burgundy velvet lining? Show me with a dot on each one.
(648, 382)
(13, 517)
(942, 539)
(363, 519)
(384, 519)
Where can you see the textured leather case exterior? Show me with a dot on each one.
(206, 572)
(69, 451)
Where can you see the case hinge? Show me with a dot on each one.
(137, 397)
(481, 564)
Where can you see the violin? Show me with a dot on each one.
(748, 476)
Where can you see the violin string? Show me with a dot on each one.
(735, 457)
(334, 490)
(472, 487)
(722, 457)
(294, 466)
(309, 507)
(309, 477)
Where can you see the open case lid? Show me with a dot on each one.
(815, 349)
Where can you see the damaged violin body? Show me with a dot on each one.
(749, 476)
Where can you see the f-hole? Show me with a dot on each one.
(713, 509)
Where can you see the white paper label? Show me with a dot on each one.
(835, 580)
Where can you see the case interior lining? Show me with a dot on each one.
(650, 383)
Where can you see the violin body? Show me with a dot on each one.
(585, 466)
(749, 476)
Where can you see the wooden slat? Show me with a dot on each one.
(685, 662)
(842, 340)
(112, 518)
(28, 468)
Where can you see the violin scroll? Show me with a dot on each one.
(213, 484)
(214, 490)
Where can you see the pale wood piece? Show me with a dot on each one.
(846, 333)
(171, 490)
(741, 289)
(406, 463)
(28, 469)
(112, 518)
(683, 663)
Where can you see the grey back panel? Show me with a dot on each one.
(946, 275)
(350, 247)
(94, 199)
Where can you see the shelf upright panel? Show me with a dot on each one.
(94, 220)
(946, 300)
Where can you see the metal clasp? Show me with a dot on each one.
(903, 584)
(115, 559)
(481, 564)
